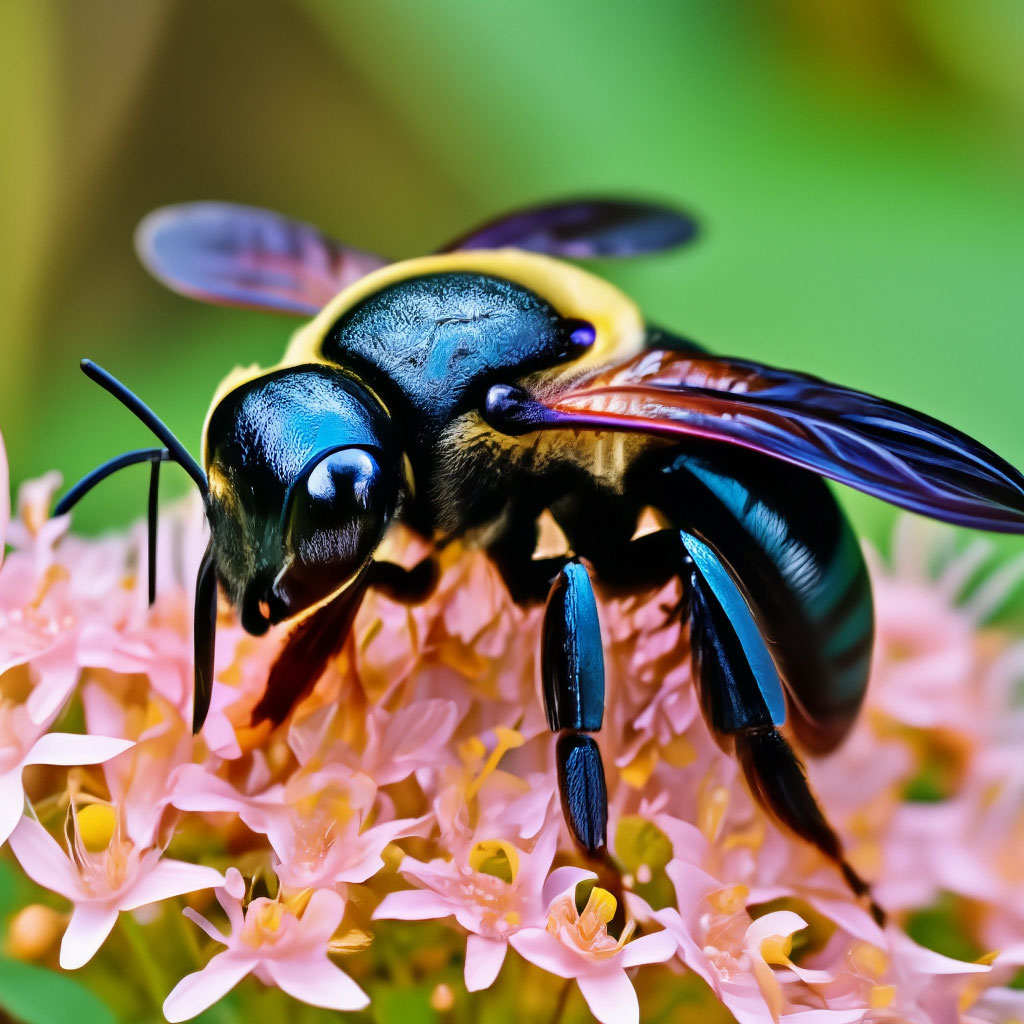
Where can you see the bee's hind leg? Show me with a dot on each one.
(742, 699)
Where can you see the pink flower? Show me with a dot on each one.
(493, 889)
(24, 742)
(577, 945)
(280, 945)
(315, 822)
(105, 874)
(394, 744)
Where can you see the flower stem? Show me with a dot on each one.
(563, 1001)
(151, 973)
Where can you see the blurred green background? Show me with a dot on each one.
(858, 166)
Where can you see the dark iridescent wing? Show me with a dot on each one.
(584, 229)
(243, 256)
(884, 449)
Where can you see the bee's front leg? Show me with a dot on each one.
(572, 670)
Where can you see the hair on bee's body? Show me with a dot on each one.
(474, 393)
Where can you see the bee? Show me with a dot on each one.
(472, 393)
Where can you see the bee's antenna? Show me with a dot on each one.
(178, 452)
(173, 451)
(205, 623)
(100, 473)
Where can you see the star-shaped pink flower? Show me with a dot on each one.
(102, 883)
(280, 946)
(24, 742)
(577, 945)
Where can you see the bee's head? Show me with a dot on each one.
(304, 478)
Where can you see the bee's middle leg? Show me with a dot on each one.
(572, 673)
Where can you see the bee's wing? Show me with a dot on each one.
(884, 449)
(584, 229)
(243, 256)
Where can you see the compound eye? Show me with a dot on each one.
(336, 517)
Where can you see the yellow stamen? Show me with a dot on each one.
(508, 739)
(868, 959)
(711, 808)
(296, 901)
(679, 752)
(731, 900)
(637, 773)
(495, 857)
(751, 837)
(154, 716)
(881, 996)
(95, 825)
(600, 909)
(776, 949)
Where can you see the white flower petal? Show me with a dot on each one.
(484, 958)
(199, 991)
(43, 860)
(317, 982)
(413, 905)
(87, 930)
(66, 748)
(12, 802)
(170, 878)
(610, 995)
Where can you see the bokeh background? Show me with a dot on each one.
(858, 166)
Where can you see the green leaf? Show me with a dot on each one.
(35, 995)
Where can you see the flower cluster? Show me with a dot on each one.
(416, 783)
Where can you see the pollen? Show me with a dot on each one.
(495, 857)
(95, 824)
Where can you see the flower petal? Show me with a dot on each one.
(66, 748)
(317, 982)
(87, 930)
(170, 878)
(484, 958)
(561, 880)
(413, 905)
(196, 992)
(43, 860)
(648, 949)
(197, 919)
(322, 916)
(610, 995)
(12, 802)
(543, 949)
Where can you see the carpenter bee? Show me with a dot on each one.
(471, 392)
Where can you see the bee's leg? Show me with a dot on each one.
(408, 586)
(572, 672)
(742, 700)
(152, 519)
